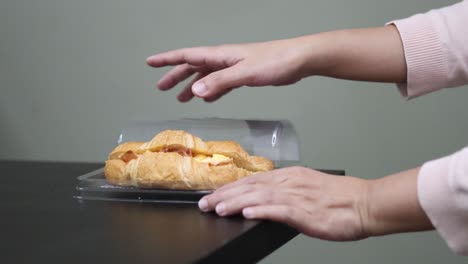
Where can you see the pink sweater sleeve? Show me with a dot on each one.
(443, 195)
(436, 52)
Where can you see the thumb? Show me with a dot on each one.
(219, 82)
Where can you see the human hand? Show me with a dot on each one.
(317, 204)
(374, 54)
(219, 69)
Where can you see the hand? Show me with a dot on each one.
(220, 69)
(374, 54)
(317, 204)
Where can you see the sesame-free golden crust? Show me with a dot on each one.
(115, 172)
(171, 171)
(241, 158)
(174, 138)
(153, 169)
(124, 147)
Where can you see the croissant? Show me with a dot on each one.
(175, 159)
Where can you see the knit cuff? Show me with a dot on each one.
(425, 59)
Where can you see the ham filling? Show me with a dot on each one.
(130, 155)
(215, 159)
(182, 151)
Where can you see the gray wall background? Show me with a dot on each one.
(73, 73)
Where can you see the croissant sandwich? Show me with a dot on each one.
(175, 159)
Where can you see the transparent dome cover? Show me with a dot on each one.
(274, 139)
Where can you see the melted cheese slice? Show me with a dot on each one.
(215, 159)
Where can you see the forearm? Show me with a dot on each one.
(374, 54)
(393, 205)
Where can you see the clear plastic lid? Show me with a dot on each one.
(273, 139)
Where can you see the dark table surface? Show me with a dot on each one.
(42, 222)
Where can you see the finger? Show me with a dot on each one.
(254, 198)
(289, 215)
(176, 75)
(249, 183)
(217, 96)
(220, 81)
(193, 56)
(186, 95)
(209, 202)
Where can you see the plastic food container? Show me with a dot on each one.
(274, 139)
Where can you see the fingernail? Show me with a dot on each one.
(199, 88)
(203, 205)
(248, 213)
(220, 209)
